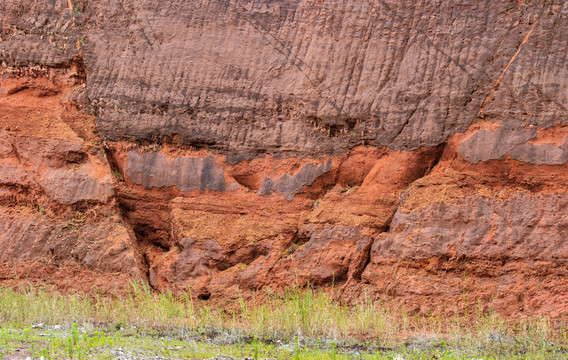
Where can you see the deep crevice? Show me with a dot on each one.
(113, 164)
(438, 156)
(357, 275)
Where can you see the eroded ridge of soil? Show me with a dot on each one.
(396, 150)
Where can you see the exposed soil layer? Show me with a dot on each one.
(395, 150)
(57, 193)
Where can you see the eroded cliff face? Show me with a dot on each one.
(402, 149)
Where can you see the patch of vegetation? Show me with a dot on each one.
(295, 324)
(74, 223)
(290, 251)
(117, 175)
(348, 189)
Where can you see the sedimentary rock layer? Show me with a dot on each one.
(301, 77)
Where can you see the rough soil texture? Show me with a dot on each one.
(404, 149)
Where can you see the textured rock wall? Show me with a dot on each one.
(407, 149)
(302, 77)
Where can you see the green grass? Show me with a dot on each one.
(297, 324)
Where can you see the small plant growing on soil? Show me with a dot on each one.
(255, 348)
(74, 223)
(117, 175)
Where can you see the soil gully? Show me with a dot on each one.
(149, 238)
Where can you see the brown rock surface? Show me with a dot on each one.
(301, 77)
(492, 231)
(106, 246)
(409, 149)
(56, 199)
